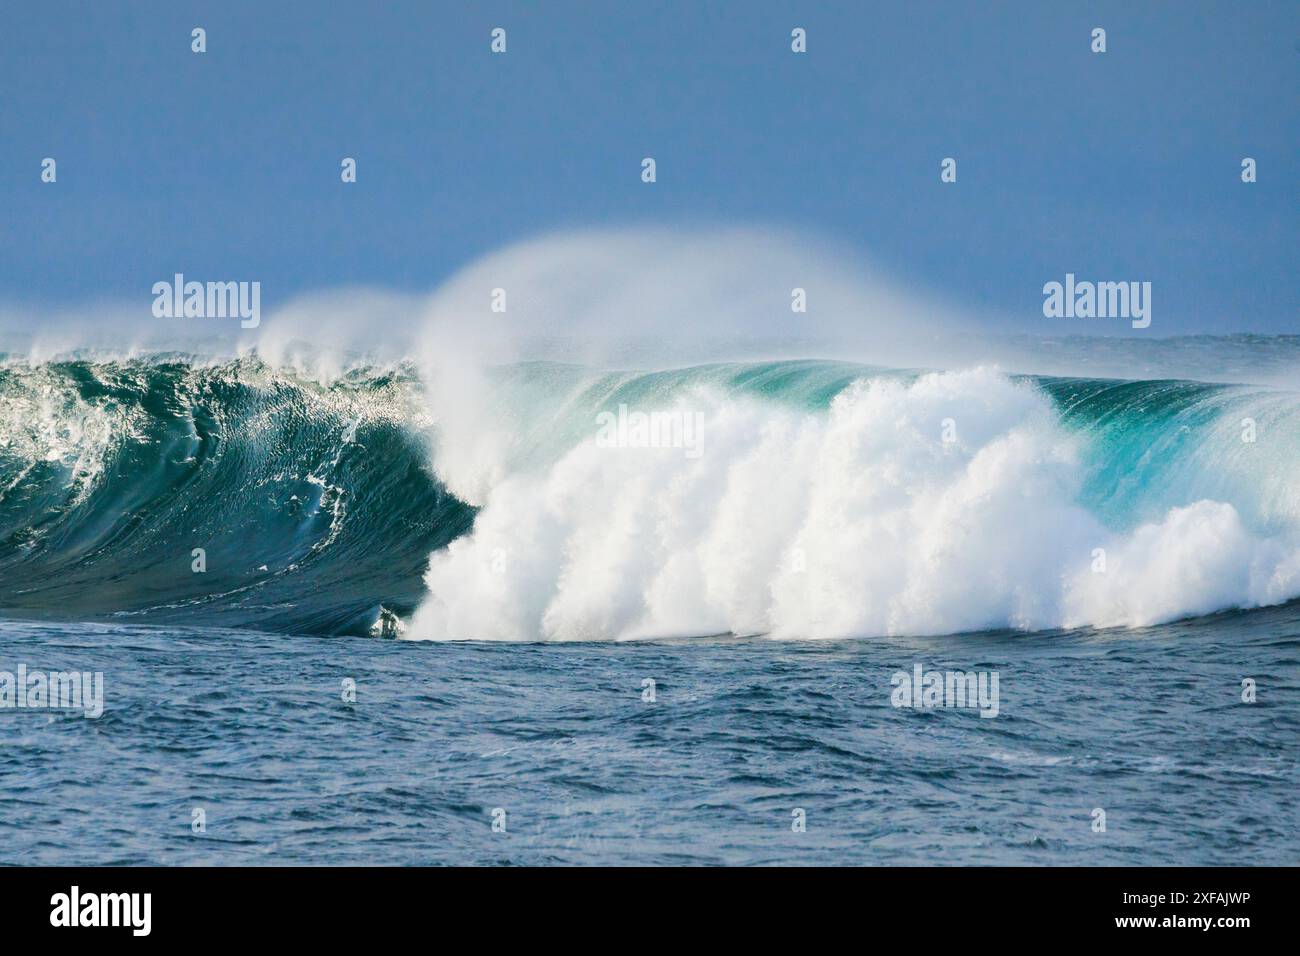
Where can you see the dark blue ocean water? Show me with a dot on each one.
(1147, 725)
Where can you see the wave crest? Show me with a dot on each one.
(944, 503)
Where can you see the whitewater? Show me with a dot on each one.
(827, 499)
(831, 503)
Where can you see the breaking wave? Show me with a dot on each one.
(817, 499)
(825, 500)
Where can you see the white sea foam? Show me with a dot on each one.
(859, 520)
(46, 422)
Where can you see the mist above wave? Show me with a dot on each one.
(896, 530)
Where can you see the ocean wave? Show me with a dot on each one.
(225, 492)
(829, 501)
(820, 499)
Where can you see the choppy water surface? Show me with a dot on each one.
(251, 727)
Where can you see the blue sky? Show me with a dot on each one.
(225, 165)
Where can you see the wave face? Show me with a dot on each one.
(795, 499)
(313, 505)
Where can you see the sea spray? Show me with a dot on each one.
(944, 503)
